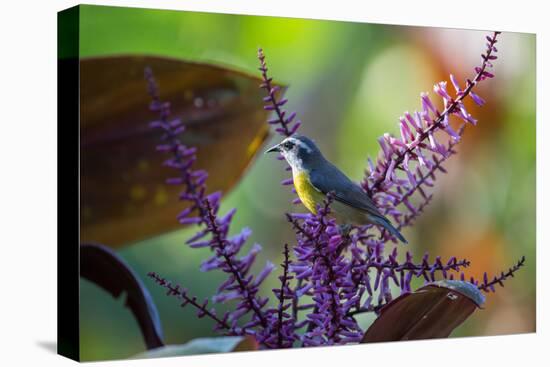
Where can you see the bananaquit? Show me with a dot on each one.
(314, 177)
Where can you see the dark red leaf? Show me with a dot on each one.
(432, 311)
(124, 197)
(102, 266)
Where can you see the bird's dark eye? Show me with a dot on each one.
(287, 145)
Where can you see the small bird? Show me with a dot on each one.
(314, 177)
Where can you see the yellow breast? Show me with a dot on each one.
(309, 196)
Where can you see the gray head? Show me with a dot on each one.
(299, 151)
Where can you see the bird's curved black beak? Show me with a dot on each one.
(273, 149)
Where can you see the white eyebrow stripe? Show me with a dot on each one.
(306, 147)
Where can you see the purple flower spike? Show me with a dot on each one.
(391, 181)
(286, 125)
(488, 286)
(239, 285)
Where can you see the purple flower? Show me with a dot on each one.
(477, 99)
(456, 84)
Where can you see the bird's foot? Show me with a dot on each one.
(345, 229)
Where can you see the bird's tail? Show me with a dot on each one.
(384, 222)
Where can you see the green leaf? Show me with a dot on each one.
(432, 311)
(221, 344)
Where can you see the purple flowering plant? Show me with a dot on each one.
(328, 277)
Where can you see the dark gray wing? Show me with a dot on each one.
(345, 190)
(330, 178)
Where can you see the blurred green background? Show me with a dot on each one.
(348, 82)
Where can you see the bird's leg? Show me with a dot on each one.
(345, 229)
(382, 233)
